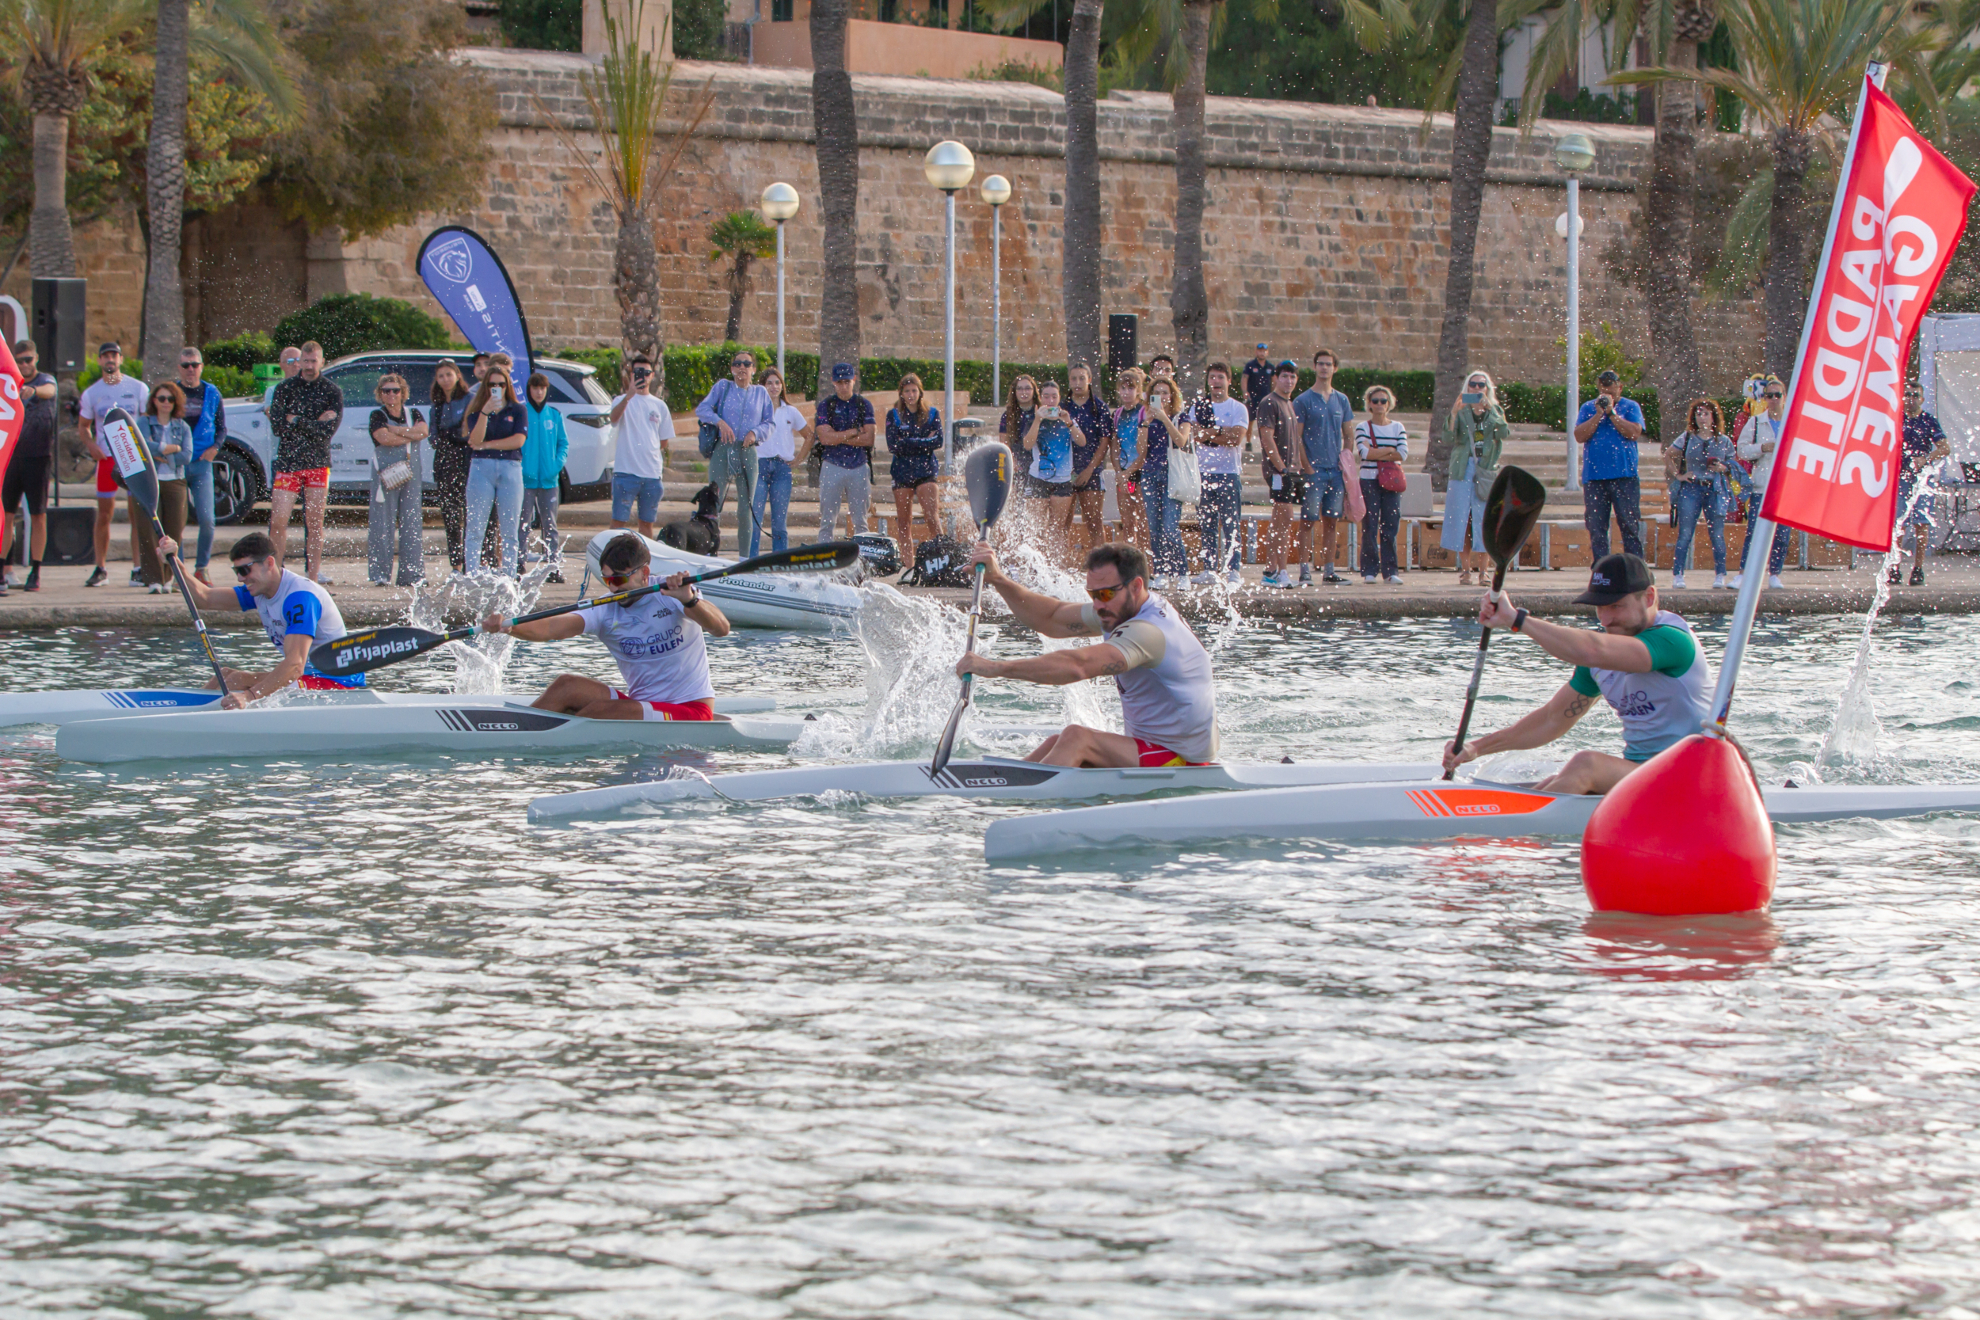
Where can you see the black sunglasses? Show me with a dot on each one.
(242, 572)
(1771, 396)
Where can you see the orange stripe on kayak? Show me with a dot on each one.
(1486, 801)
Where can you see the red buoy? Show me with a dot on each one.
(1685, 835)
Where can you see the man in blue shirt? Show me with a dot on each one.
(844, 427)
(739, 410)
(1608, 427)
(1326, 430)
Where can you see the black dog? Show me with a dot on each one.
(700, 533)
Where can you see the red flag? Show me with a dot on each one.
(11, 416)
(1900, 209)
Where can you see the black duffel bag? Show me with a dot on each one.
(940, 561)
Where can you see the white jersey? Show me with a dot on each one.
(298, 607)
(1664, 706)
(1167, 694)
(662, 654)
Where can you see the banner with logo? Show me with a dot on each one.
(1899, 212)
(472, 285)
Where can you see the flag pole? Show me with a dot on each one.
(1760, 531)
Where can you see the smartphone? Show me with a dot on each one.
(1474, 397)
(1051, 412)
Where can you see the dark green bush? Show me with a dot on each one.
(232, 382)
(244, 352)
(347, 323)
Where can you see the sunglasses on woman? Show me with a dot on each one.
(390, 389)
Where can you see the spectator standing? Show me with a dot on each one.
(1049, 442)
(497, 433)
(1162, 426)
(1130, 457)
(644, 427)
(844, 426)
(1701, 458)
(1380, 440)
(1286, 468)
(1162, 367)
(1258, 374)
(290, 359)
(33, 459)
(1218, 425)
(303, 413)
(545, 447)
(1019, 407)
(1326, 432)
(739, 409)
(1608, 427)
(1478, 433)
(451, 457)
(206, 414)
(112, 389)
(1093, 420)
(395, 520)
(167, 438)
(914, 446)
(1759, 445)
(1924, 445)
(776, 455)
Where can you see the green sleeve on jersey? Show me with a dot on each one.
(1672, 651)
(1584, 682)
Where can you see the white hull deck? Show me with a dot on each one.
(68, 707)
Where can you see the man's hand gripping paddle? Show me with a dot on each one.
(377, 647)
(987, 475)
(1510, 513)
(120, 436)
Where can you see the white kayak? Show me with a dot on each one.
(67, 707)
(486, 725)
(1427, 809)
(988, 777)
(802, 601)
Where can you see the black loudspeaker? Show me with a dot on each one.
(58, 315)
(71, 535)
(1122, 336)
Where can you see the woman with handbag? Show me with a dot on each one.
(451, 457)
(1702, 461)
(170, 441)
(1382, 444)
(1169, 480)
(1478, 431)
(397, 492)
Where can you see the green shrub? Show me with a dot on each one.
(244, 352)
(232, 382)
(347, 323)
(91, 373)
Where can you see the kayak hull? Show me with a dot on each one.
(459, 724)
(997, 778)
(1430, 809)
(68, 707)
(802, 602)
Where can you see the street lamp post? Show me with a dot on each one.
(1573, 153)
(949, 166)
(780, 203)
(996, 190)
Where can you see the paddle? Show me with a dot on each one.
(359, 652)
(987, 476)
(1510, 512)
(120, 435)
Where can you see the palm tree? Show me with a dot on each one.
(742, 237)
(835, 133)
(1477, 91)
(1800, 64)
(625, 95)
(238, 31)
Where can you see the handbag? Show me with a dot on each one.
(709, 435)
(1185, 478)
(1389, 475)
(396, 475)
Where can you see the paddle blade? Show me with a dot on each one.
(1511, 511)
(355, 653)
(987, 476)
(820, 558)
(119, 432)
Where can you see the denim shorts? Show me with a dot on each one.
(626, 488)
(1325, 495)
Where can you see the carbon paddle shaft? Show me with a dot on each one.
(1477, 672)
(946, 748)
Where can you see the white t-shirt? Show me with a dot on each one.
(644, 424)
(1371, 435)
(779, 439)
(129, 393)
(1761, 429)
(661, 652)
(1223, 458)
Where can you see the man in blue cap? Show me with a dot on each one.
(844, 426)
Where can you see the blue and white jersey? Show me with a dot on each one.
(662, 654)
(1664, 706)
(299, 607)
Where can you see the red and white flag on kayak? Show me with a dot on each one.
(1900, 209)
(11, 416)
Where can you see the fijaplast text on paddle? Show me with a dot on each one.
(375, 648)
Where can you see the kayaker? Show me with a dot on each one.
(1645, 661)
(657, 640)
(1168, 700)
(296, 612)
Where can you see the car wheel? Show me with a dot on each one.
(236, 486)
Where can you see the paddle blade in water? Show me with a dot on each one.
(987, 477)
(1511, 511)
(355, 653)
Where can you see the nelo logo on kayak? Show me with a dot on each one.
(1448, 802)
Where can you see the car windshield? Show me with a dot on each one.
(581, 385)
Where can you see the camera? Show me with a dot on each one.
(1603, 402)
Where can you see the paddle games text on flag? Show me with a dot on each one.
(472, 285)
(1899, 213)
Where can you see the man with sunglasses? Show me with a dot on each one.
(295, 612)
(1168, 698)
(1760, 444)
(658, 640)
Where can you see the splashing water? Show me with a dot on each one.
(479, 662)
(1855, 732)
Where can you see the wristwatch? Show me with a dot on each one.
(1519, 620)
(691, 601)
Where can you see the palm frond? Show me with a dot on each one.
(238, 33)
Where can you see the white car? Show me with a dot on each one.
(243, 470)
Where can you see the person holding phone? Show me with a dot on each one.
(1161, 429)
(496, 436)
(1702, 461)
(644, 427)
(1478, 432)
(1608, 427)
(1053, 435)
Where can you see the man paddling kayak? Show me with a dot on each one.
(296, 613)
(1168, 700)
(658, 641)
(1644, 661)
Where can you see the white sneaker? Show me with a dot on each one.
(1737, 578)
(1774, 580)
(1719, 580)
(1394, 579)
(1234, 577)
(1203, 579)
(323, 579)
(1368, 578)
(1677, 582)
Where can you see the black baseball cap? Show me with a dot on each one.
(110, 347)
(1287, 365)
(1607, 378)
(1614, 577)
